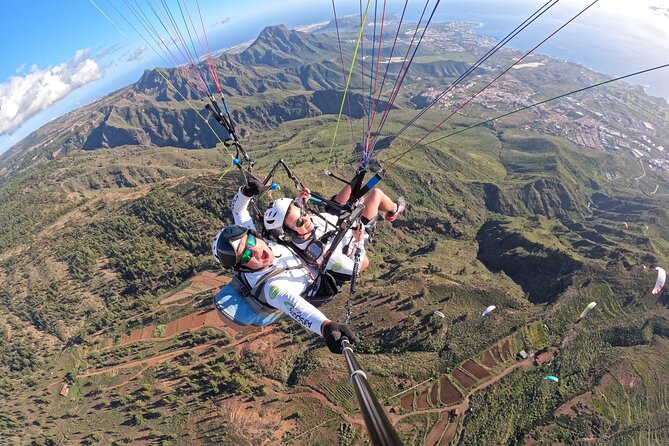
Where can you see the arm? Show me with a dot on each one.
(344, 263)
(359, 236)
(278, 294)
(240, 210)
(281, 294)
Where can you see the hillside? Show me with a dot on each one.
(106, 275)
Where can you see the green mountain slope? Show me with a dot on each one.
(106, 217)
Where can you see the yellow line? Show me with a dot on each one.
(348, 79)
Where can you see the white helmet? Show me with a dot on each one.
(275, 215)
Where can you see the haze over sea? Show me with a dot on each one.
(603, 42)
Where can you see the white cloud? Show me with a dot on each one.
(662, 11)
(21, 97)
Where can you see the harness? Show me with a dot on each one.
(326, 285)
(256, 291)
(313, 248)
(319, 292)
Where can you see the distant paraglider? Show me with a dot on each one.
(626, 225)
(551, 378)
(439, 313)
(587, 310)
(661, 277)
(488, 310)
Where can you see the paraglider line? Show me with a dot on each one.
(362, 75)
(404, 69)
(371, 76)
(392, 50)
(226, 172)
(348, 80)
(527, 22)
(108, 19)
(365, 157)
(372, 101)
(183, 49)
(500, 75)
(599, 84)
(167, 80)
(199, 41)
(206, 39)
(343, 73)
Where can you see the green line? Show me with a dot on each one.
(348, 79)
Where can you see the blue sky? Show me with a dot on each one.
(58, 55)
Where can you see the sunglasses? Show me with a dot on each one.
(247, 255)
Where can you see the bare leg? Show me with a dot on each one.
(377, 201)
(343, 195)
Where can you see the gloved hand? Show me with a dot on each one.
(254, 187)
(333, 333)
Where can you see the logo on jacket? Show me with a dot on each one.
(297, 315)
(273, 291)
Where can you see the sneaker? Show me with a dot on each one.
(401, 206)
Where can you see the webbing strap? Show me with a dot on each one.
(257, 289)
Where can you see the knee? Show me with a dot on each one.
(364, 264)
(376, 193)
(374, 196)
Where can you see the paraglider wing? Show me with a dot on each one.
(661, 277)
(488, 310)
(587, 310)
(551, 378)
(439, 313)
(626, 225)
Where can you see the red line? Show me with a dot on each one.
(184, 52)
(402, 74)
(206, 39)
(376, 76)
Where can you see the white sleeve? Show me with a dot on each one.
(344, 263)
(278, 294)
(240, 210)
(339, 263)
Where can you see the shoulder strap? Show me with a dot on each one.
(256, 291)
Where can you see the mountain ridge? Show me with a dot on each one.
(293, 69)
